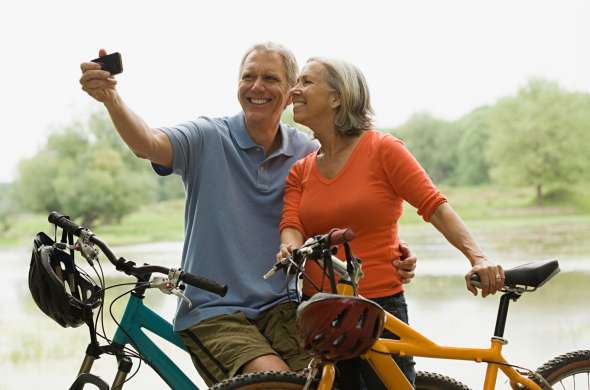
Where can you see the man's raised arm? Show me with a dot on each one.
(144, 141)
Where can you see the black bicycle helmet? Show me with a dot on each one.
(58, 288)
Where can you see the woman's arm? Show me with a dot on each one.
(291, 238)
(448, 222)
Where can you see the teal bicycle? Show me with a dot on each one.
(136, 318)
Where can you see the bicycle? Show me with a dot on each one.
(569, 369)
(136, 316)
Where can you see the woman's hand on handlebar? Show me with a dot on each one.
(285, 250)
(491, 277)
(291, 239)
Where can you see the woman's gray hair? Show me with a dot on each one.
(289, 60)
(354, 115)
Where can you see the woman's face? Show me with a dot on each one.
(314, 101)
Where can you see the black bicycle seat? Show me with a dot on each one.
(532, 275)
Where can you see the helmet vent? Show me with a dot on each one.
(338, 341)
(362, 319)
(377, 329)
(338, 320)
(317, 338)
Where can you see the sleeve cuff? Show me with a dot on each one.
(161, 170)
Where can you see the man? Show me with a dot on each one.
(233, 169)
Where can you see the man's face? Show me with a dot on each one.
(263, 90)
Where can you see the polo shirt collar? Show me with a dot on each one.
(237, 128)
(286, 147)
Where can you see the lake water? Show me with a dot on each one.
(36, 352)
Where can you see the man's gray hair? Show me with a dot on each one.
(355, 114)
(289, 60)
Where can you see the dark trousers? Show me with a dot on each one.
(357, 373)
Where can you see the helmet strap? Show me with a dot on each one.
(72, 272)
(327, 255)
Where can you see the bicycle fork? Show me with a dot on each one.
(85, 377)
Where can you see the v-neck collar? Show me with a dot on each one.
(348, 162)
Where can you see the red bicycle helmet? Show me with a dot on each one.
(335, 327)
(58, 288)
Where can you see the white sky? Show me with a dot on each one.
(181, 57)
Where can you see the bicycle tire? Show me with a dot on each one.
(433, 381)
(266, 380)
(272, 380)
(571, 370)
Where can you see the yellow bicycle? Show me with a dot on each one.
(570, 370)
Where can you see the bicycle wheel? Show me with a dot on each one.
(267, 380)
(433, 381)
(271, 380)
(570, 371)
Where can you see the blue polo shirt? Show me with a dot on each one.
(233, 206)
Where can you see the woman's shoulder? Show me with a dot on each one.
(381, 140)
(305, 162)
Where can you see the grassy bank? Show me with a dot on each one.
(164, 221)
(503, 203)
(152, 223)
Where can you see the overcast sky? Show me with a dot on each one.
(180, 58)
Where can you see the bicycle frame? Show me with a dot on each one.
(137, 317)
(413, 343)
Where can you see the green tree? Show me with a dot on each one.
(434, 144)
(86, 172)
(8, 207)
(170, 187)
(167, 187)
(540, 137)
(287, 117)
(472, 165)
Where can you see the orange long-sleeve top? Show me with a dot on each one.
(366, 196)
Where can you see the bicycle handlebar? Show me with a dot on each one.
(64, 222)
(204, 283)
(338, 236)
(129, 267)
(334, 237)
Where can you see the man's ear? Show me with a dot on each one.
(335, 100)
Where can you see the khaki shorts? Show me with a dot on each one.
(222, 345)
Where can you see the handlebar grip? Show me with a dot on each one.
(340, 236)
(475, 280)
(204, 283)
(64, 222)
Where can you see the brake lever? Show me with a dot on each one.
(169, 285)
(88, 251)
(285, 261)
(182, 296)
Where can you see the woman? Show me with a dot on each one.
(359, 179)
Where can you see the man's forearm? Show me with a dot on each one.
(133, 130)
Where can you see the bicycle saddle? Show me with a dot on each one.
(532, 275)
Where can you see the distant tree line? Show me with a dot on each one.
(539, 138)
(85, 170)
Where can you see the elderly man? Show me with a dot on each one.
(233, 169)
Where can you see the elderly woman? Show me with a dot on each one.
(359, 179)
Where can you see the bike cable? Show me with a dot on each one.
(131, 353)
(531, 372)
